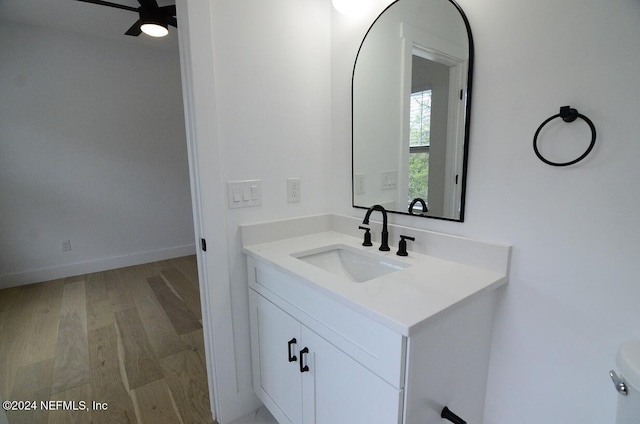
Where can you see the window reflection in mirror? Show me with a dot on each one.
(419, 140)
(427, 137)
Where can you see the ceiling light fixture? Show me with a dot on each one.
(154, 29)
(154, 20)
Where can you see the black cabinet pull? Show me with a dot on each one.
(303, 368)
(292, 358)
(448, 415)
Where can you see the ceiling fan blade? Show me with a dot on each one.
(135, 29)
(168, 10)
(172, 21)
(148, 4)
(106, 3)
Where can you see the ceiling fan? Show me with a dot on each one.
(154, 20)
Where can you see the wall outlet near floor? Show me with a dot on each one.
(65, 245)
(293, 190)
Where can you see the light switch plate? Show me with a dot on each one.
(243, 194)
(389, 180)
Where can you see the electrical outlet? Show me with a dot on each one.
(66, 245)
(293, 190)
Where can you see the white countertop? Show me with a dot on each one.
(402, 301)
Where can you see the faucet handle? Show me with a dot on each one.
(402, 246)
(367, 236)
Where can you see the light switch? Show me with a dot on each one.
(237, 195)
(242, 194)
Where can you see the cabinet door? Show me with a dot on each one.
(337, 389)
(276, 379)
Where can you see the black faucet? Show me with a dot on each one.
(384, 245)
(422, 203)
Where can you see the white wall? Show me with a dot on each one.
(272, 73)
(574, 288)
(92, 149)
(260, 78)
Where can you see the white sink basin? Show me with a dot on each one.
(356, 265)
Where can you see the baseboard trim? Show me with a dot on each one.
(87, 267)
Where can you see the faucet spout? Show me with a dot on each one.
(423, 204)
(384, 245)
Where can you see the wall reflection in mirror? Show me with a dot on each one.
(411, 103)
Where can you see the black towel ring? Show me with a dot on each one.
(568, 114)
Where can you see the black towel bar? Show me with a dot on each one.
(568, 114)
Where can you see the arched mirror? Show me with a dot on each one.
(411, 95)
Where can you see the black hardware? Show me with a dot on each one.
(384, 245)
(448, 415)
(423, 204)
(203, 244)
(402, 246)
(292, 358)
(303, 368)
(568, 114)
(367, 236)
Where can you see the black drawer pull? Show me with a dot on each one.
(292, 358)
(448, 415)
(303, 368)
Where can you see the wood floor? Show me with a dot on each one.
(128, 339)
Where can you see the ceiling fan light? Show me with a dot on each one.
(154, 29)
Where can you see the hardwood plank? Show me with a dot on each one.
(103, 347)
(33, 383)
(107, 385)
(162, 335)
(99, 314)
(154, 404)
(42, 334)
(181, 317)
(185, 289)
(135, 351)
(188, 266)
(71, 366)
(186, 377)
(155, 267)
(7, 299)
(23, 303)
(65, 414)
(195, 343)
(134, 274)
(96, 287)
(118, 290)
(74, 279)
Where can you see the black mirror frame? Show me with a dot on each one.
(467, 124)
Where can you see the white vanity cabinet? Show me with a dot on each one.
(302, 378)
(354, 364)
